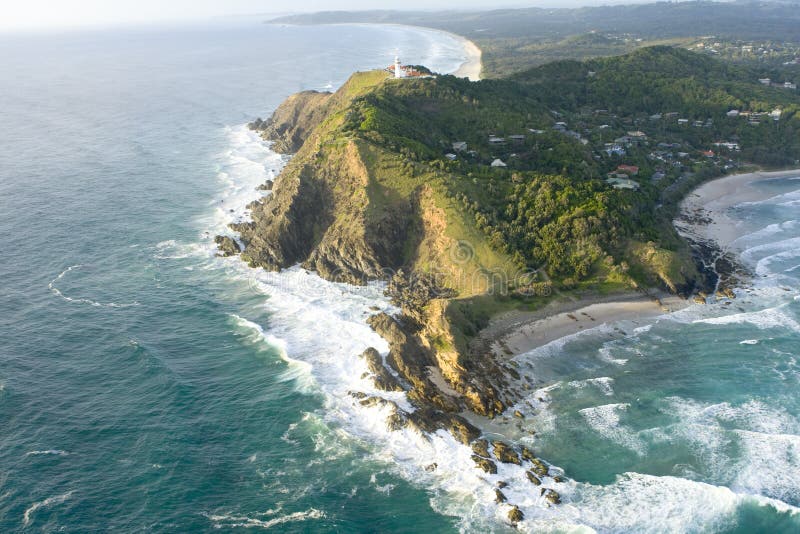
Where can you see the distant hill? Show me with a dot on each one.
(513, 39)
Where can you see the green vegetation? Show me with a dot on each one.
(506, 193)
(476, 198)
(549, 211)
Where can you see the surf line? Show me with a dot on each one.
(52, 287)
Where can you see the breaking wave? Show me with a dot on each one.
(57, 292)
(50, 501)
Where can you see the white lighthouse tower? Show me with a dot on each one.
(399, 72)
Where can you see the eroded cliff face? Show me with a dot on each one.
(318, 216)
(336, 210)
(291, 124)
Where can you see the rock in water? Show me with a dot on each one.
(383, 379)
(552, 497)
(515, 515)
(539, 467)
(499, 496)
(527, 454)
(227, 246)
(504, 453)
(485, 464)
(481, 447)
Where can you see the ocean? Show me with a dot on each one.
(147, 385)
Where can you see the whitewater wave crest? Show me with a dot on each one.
(57, 292)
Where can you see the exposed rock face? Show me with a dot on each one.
(539, 467)
(293, 121)
(527, 454)
(481, 447)
(317, 215)
(533, 478)
(485, 464)
(381, 376)
(515, 515)
(227, 246)
(411, 361)
(430, 420)
(504, 453)
(552, 496)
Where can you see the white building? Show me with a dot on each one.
(498, 163)
(399, 71)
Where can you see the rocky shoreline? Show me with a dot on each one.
(705, 225)
(316, 216)
(441, 385)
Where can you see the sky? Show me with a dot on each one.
(32, 14)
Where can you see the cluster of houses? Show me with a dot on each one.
(785, 85)
(754, 117)
(620, 178)
(761, 51)
(561, 127)
(666, 156)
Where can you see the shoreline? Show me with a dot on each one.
(471, 68)
(702, 217)
(515, 333)
(703, 214)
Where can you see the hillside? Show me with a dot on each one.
(399, 180)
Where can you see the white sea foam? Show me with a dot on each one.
(319, 329)
(50, 452)
(603, 383)
(606, 355)
(766, 253)
(784, 199)
(50, 501)
(776, 317)
(53, 289)
(605, 420)
(768, 463)
(230, 521)
(749, 342)
(769, 231)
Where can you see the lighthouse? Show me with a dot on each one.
(399, 72)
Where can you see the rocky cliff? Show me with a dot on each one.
(354, 212)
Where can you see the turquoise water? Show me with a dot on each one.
(133, 394)
(690, 422)
(146, 385)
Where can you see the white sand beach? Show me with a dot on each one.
(710, 202)
(472, 67)
(519, 332)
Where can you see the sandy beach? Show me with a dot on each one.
(703, 217)
(704, 210)
(517, 332)
(471, 68)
